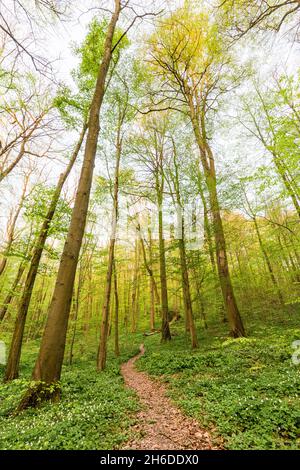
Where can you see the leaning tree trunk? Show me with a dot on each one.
(48, 366)
(12, 368)
(208, 164)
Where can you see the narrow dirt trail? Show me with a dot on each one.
(160, 424)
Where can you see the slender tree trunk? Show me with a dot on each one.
(152, 306)
(147, 265)
(76, 310)
(208, 240)
(102, 350)
(187, 293)
(287, 183)
(207, 228)
(89, 311)
(12, 368)
(138, 292)
(126, 296)
(295, 262)
(47, 369)
(134, 295)
(268, 262)
(152, 285)
(187, 301)
(37, 310)
(166, 334)
(117, 347)
(12, 226)
(11, 294)
(199, 296)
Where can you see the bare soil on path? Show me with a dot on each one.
(160, 424)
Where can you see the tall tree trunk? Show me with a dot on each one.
(187, 301)
(102, 350)
(208, 240)
(12, 368)
(48, 366)
(235, 321)
(165, 329)
(208, 164)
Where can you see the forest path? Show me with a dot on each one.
(160, 424)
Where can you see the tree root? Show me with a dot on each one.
(37, 394)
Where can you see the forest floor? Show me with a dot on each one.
(243, 392)
(246, 391)
(160, 424)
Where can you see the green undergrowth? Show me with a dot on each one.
(95, 411)
(247, 391)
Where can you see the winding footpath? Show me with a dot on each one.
(160, 424)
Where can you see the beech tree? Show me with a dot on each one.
(12, 368)
(49, 362)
